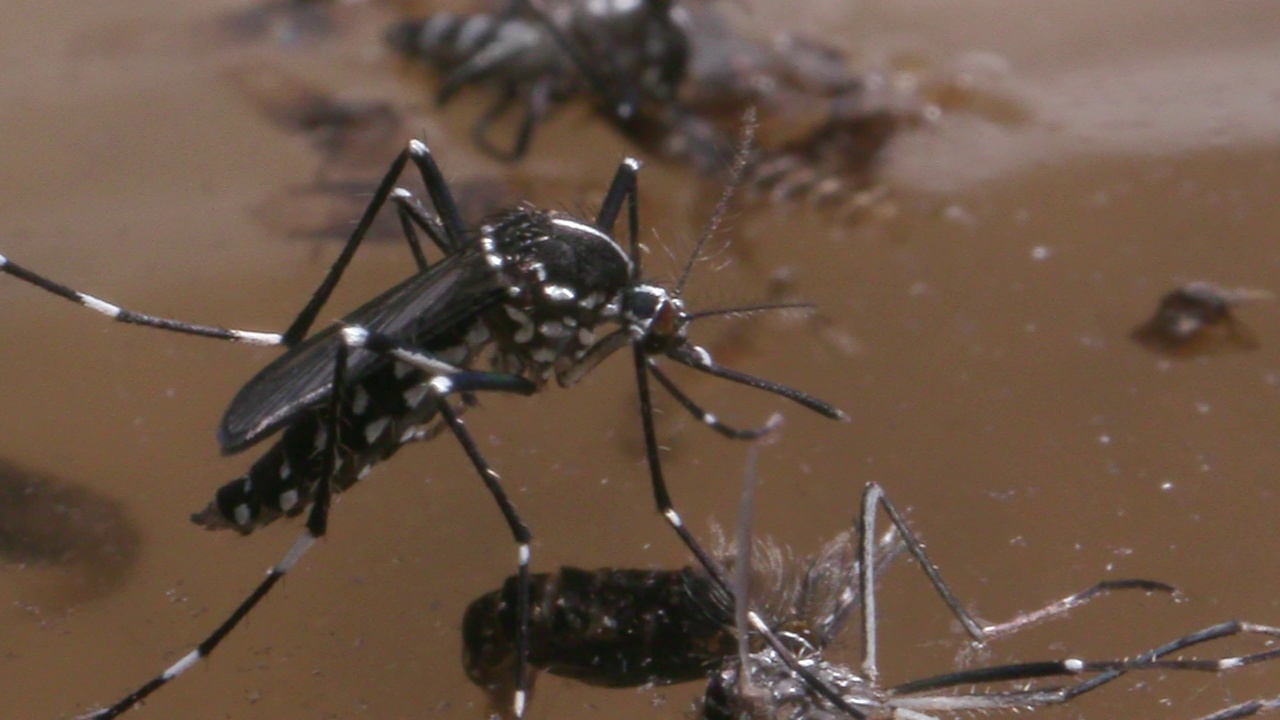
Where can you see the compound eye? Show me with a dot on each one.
(666, 320)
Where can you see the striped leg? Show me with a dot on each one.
(449, 381)
(450, 224)
(317, 524)
(120, 314)
(981, 631)
(1110, 670)
(463, 382)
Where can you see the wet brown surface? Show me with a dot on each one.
(994, 388)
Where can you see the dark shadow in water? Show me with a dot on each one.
(80, 545)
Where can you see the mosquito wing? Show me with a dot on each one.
(422, 307)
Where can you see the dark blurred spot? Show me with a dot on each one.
(355, 141)
(85, 539)
(283, 22)
(1198, 319)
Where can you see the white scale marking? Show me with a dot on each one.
(360, 401)
(543, 355)
(285, 470)
(241, 515)
(257, 338)
(375, 428)
(288, 499)
(355, 336)
(414, 395)
(518, 315)
(299, 549)
(441, 386)
(454, 355)
(182, 665)
(477, 335)
(97, 305)
(473, 28)
(559, 293)
(673, 518)
(555, 330)
(586, 337)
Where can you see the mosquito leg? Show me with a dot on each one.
(120, 314)
(480, 131)
(1109, 671)
(443, 386)
(464, 382)
(623, 189)
(713, 568)
(980, 631)
(421, 156)
(699, 359)
(412, 216)
(709, 419)
(317, 524)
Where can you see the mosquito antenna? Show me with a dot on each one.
(746, 310)
(740, 159)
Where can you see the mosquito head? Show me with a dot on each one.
(656, 318)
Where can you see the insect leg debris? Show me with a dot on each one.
(759, 684)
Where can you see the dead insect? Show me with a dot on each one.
(801, 614)
(626, 54)
(1197, 318)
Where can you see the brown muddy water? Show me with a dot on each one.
(978, 337)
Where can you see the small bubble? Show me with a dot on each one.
(1166, 485)
(1040, 252)
(959, 215)
(1104, 439)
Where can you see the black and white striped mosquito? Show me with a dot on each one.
(629, 56)
(530, 296)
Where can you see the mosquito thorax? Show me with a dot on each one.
(563, 278)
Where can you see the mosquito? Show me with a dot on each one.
(627, 55)
(530, 296)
